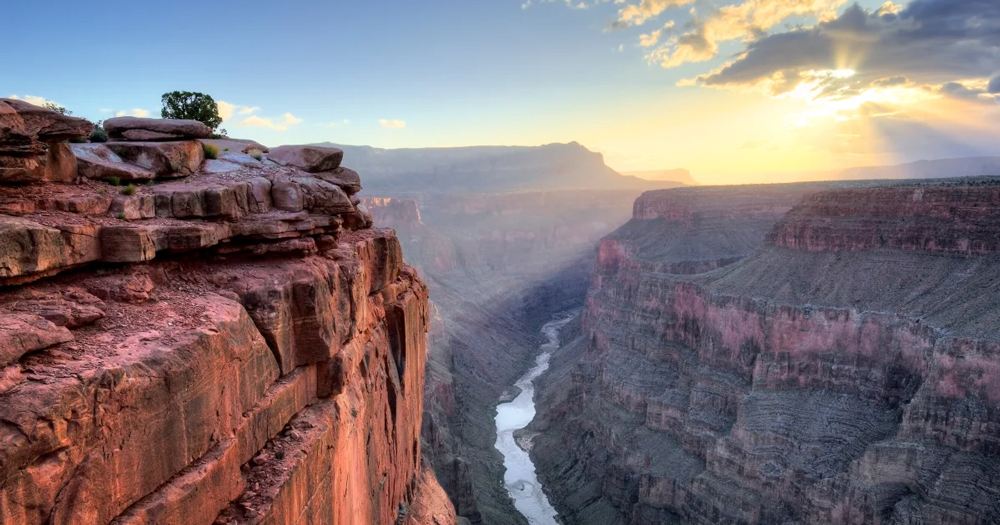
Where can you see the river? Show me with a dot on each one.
(520, 478)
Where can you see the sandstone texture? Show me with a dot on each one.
(210, 358)
(842, 371)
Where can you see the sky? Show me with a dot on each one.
(733, 90)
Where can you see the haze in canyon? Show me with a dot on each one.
(501, 263)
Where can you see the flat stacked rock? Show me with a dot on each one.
(31, 143)
(154, 129)
(324, 163)
(144, 149)
(236, 203)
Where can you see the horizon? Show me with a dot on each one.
(734, 91)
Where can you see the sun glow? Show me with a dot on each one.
(831, 95)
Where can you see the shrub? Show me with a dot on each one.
(256, 153)
(129, 190)
(57, 108)
(78, 140)
(211, 150)
(149, 182)
(121, 216)
(189, 105)
(115, 181)
(99, 135)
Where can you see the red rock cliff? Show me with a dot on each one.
(237, 345)
(848, 371)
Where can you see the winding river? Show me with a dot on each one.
(520, 478)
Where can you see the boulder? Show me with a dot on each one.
(127, 244)
(133, 207)
(153, 129)
(97, 161)
(346, 178)
(24, 333)
(56, 164)
(27, 247)
(37, 123)
(30, 147)
(287, 195)
(309, 158)
(324, 197)
(228, 145)
(163, 159)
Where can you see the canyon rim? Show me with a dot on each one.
(508, 262)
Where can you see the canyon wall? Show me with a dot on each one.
(225, 341)
(498, 265)
(843, 371)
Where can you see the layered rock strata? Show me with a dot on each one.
(229, 348)
(845, 372)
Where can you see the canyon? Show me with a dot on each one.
(223, 340)
(500, 255)
(190, 335)
(800, 353)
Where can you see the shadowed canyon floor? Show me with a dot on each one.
(514, 415)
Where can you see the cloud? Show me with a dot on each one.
(244, 116)
(32, 99)
(746, 21)
(958, 90)
(282, 124)
(227, 110)
(994, 85)
(392, 124)
(137, 112)
(930, 42)
(638, 14)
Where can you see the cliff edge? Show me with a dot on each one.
(220, 340)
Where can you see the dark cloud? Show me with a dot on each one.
(930, 42)
(961, 91)
(994, 86)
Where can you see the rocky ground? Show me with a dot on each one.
(842, 371)
(225, 341)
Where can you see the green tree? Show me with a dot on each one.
(57, 108)
(193, 106)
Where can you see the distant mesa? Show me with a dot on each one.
(489, 169)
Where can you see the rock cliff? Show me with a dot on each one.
(229, 341)
(843, 371)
